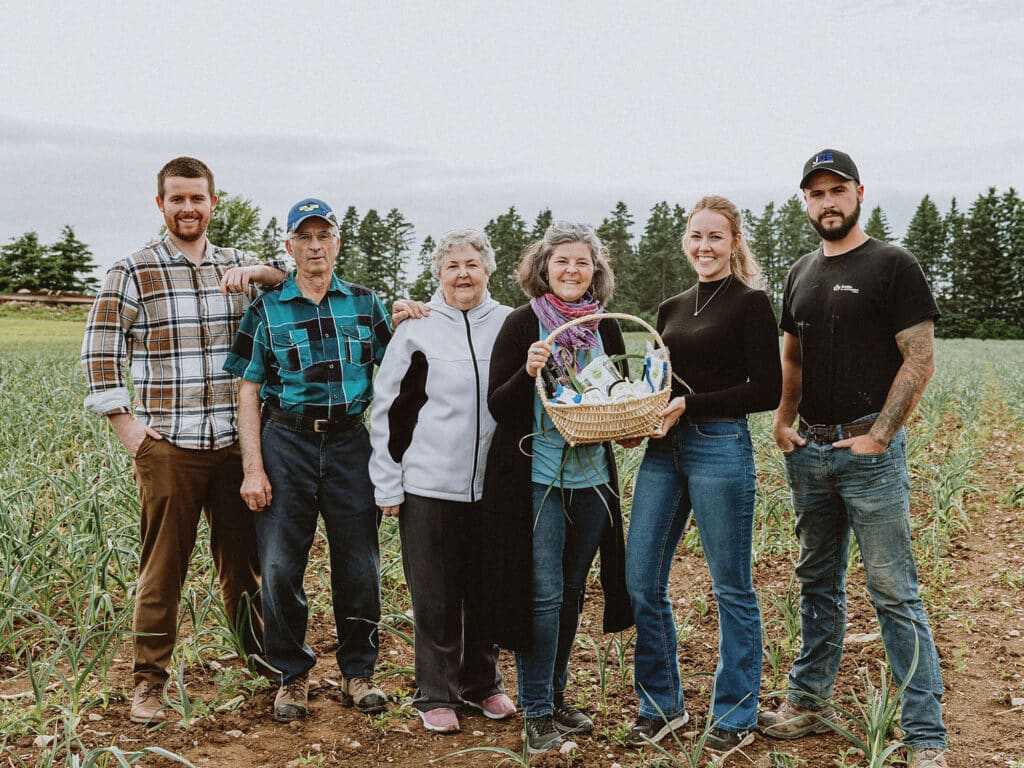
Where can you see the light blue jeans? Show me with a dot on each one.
(707, 468)
(834, 491)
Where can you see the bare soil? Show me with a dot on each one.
(977, 616)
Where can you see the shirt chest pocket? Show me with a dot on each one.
(291, 349)
(357, 346)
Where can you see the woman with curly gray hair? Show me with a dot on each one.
(550, 506)
(432, 384)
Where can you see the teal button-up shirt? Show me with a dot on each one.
(313, 359)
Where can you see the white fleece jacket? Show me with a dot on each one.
(430, 427)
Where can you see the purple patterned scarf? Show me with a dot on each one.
(553, 312)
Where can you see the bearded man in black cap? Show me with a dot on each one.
(858, 351)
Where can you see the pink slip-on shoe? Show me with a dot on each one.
(440, 720)
(497, 707)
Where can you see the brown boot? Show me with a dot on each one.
(361, 693)
(928, 758)
(147, 704)
(292, 700)
(791, 721)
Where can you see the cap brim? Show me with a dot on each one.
(848, 177)
(298, 223)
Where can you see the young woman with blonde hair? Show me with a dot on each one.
(722, 340)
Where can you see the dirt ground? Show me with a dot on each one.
(978, 627)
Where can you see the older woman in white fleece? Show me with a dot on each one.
(430, 430)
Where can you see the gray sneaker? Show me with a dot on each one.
(647, 730)
(791, 721)
(291, 700)
(568, 719)
(541, 734)
(721, 740)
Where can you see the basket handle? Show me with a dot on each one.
(586, 318)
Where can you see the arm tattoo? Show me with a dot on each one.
(917, 345)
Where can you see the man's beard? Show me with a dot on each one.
(837, 233)
(197, 232)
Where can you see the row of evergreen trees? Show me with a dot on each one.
(974, 259)
(26, 264)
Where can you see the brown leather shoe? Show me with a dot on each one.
(361, 693)
(147, 704)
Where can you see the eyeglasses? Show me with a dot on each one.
(305, 238)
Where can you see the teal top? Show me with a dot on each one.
(312, 359)
(555, 462)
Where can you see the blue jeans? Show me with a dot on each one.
(707, 468)
(568, 525)
(835, 490)
(315, 474)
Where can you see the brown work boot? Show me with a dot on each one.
(791, 721)
(291, 700)
(147, 704)
(361, 693)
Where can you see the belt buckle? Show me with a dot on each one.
(820, 433)
(320, 425)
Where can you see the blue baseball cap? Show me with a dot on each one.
(304, 209)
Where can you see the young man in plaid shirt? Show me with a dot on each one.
(171, 311)
(306, 353)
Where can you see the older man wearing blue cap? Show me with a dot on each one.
(305, 353)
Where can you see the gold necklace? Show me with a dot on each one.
(696, 296)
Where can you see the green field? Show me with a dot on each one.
(69, 541)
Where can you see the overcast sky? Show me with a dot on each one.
(454, 111)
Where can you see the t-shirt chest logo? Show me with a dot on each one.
(843, 287)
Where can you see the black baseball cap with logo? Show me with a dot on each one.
(832, 160)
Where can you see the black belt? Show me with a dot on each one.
(831, 433)
(300, 423)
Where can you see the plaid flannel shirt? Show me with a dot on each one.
(167, 318)
(313, 359)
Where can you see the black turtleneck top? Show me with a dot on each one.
(728, 352)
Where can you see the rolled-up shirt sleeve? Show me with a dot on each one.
(107, 344)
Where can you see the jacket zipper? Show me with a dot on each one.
(476, 375)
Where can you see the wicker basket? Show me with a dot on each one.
(597, 422)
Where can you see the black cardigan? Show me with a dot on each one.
(508, 495)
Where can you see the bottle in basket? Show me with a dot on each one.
(555, 378)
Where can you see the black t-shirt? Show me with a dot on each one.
(846, 311)
(728, 353)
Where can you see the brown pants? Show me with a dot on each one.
(175, 486)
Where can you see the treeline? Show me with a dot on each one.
(974, 259)
(26, 264)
